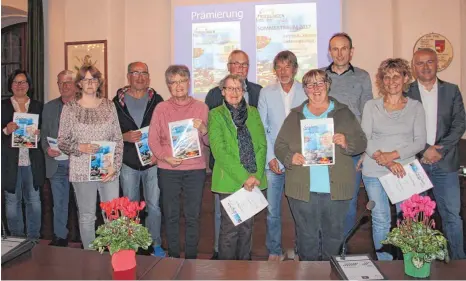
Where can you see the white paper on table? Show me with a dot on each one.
(359, 267)
(53, 143)
(243, 204)
(416, 181)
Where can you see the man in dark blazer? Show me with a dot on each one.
(56, 163)
(238, 63)
(445, 125)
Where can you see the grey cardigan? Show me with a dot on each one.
(342, 174)
(403, 131)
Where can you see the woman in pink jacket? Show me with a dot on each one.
(183, 170)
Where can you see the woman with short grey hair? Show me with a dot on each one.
(176, 174)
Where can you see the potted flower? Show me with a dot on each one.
(122, 234)
(417, 237)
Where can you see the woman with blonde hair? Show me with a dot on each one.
(90, 117)
(395, 129)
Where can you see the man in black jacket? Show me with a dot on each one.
(135, 104)
(238, 63)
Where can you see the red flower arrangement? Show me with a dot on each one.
(122, 230)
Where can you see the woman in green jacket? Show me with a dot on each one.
(238, 144)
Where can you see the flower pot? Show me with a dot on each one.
(124, 265)
(412, 270)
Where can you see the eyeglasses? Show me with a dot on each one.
(311, 86)
(238, 64)
(182, 81)
(20, 83)
(139, 73)
(231, 89)
(88, 81)
(67, 83)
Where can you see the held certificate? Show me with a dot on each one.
(142, 147)
(243, 204)
(184, 139)
(102, 161)
(416, 181)
(317, 142)
(54, 145)
(24, 136)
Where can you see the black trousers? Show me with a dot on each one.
(191, 183)
(235, 242)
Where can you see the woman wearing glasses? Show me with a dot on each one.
(319, 195)
(90, 117)
(183, 172)
(395, 128)
(239, 146)
(22, 168)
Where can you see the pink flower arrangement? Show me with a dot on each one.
(417, 204)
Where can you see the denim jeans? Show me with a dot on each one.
(86, 199)
(319, 223)
(130, 180)
(191, 183)
(13, 205)
(447, 196)
(275, 188)
(60, 186)
(353, 207)
(217, 220)
(381, 215)
(235, 241)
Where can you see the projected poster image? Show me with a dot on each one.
(211, 45)
(285, 27)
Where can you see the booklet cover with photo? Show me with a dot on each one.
(142, 147)
(317, 141)
(184, 139)
(24, 136)
(102, 160)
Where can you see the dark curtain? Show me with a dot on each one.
(35, 48)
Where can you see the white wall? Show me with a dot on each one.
(140, 30)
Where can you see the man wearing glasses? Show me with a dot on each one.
(135, 104)
(352, 87)
(238, 63)
(275, 103)
(56, 163)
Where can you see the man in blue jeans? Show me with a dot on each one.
(445, 125)
(135, 104)
(351, 86)
(56, 163)
(275, 103)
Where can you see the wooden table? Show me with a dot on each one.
(289, 270)
(47, 262)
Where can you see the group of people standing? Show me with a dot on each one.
(254, 137)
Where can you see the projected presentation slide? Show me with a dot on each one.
(205, 35)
